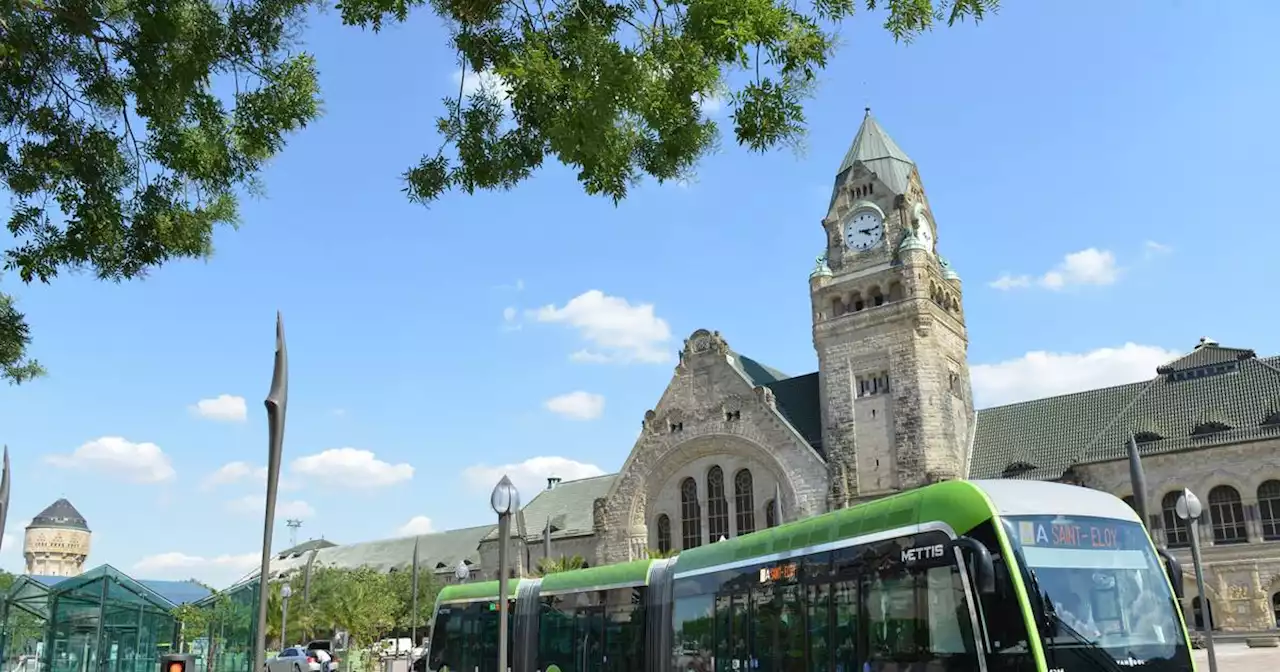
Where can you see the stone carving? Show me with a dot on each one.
(731, 403)
(766, 395)
(649, 417)
(598, 515)
(703, 341)
(1237, 591)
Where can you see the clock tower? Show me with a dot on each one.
(888, 327)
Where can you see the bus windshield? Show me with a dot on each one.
(1105, 587)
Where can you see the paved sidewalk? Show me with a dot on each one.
(1239, 658)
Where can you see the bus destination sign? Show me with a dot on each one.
(1062, 533)
(781, 572)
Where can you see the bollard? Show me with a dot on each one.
(177, 662)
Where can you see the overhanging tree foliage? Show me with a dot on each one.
(116, 150)
(120, 155)
(617, 88)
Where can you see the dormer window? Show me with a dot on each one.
(1146, 436)
(1017, 469)
(1271, 419)
(1210, 427)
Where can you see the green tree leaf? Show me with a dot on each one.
(116, 151)
(618, 90)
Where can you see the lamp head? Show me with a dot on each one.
(505, 499)
(286, 591)
(1188, 506)
(462, 571)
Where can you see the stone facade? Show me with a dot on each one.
(1239, 549)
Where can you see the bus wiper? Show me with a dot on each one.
(1097, 653)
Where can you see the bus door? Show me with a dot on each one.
(732, 630)
(589, 645)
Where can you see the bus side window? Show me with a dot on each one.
(1006, 628)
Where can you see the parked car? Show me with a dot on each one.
(322, 650)
(293, 659)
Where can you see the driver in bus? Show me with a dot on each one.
(1075, 612)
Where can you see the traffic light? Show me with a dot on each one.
(177, 662)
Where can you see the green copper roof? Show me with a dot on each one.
(948, 273)
(911, 242)
(634, 573)
(873, 148)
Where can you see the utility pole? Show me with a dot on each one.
(293, 524)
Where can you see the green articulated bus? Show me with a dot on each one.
(989, 576)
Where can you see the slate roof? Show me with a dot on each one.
(304, 547)
(439, 550)
(873, 148)
(570, 506)
(1211, 396)
(60, 515)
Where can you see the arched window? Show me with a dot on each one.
(1176, 532)
(1275, 608)
(690, 515)
(1269, 509)
(744, 500)
(1197, 613)
(664, 534)
(770, 514)
(717, 505)
(1226, 512)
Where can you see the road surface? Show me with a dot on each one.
(1239, 658)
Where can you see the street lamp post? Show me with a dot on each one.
(286, 591)
(1189, 509)
(505, 501)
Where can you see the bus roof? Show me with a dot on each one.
(475, 592)
(1012, 497)
(634, 573)
(960, 504)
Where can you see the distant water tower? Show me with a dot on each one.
(57, 541)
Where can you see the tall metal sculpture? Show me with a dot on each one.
(4, 492)
(277, 402)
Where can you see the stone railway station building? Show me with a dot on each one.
(890, 408)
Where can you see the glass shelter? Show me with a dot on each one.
(24, 614)
(232, 622)
(100, 621)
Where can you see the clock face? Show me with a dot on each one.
(925, 234)
(863, 230)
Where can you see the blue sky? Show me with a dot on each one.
(1112, 162)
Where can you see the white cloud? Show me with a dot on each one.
(233, 472)
(1152, 249)
(482, 81)
(238, 472)
(257, 505)
(416, 525)
(509, 317)
(710, 104)
(577, 405)
(353, 467)
(1040, 374)
(137, 462)
(224, 407)
(218, 571)
(530, 476)
(1091, 267)
(615, 330)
